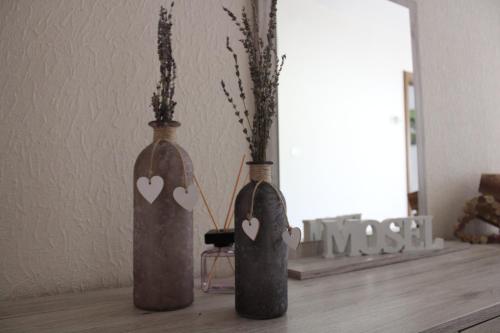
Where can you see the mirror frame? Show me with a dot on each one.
(273, 148)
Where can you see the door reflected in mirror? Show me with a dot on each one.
(347, 122)
(410, 112)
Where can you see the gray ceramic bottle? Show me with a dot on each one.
(163, 230)
(261, 285)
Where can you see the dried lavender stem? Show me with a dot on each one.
(265, 69)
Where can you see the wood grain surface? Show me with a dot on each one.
(447, 293)
(314, 267)
(491, 326)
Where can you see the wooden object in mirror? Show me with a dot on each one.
(490, 185)
(486, 208)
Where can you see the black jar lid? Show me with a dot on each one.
(220, 238)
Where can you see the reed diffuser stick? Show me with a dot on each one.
(212, 270)
(230, 263)
(231, 218)
(228, 215)
(206, 203)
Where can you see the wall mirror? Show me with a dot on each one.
(349, 120)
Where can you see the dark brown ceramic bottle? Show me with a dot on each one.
(163, 230)
(261, 284)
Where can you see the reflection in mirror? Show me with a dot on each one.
(410, 113)
(347, 127)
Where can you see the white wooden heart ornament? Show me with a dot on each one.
(251, 228)
(150, 188)
(292, 237)
(186, 198)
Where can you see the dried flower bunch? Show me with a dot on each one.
(265, 69)
(163, 102)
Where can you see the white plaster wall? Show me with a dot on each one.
(75, 87)
(460, 70)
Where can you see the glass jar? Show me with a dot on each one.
(217, 263)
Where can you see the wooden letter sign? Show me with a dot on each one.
(349, 237)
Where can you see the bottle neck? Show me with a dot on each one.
(261, 172)
(165, 133)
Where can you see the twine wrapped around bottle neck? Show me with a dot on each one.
(164, 133)
(261, 172)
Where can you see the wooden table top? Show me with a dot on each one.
(446, 293)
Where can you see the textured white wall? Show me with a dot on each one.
(76, 78)
(460, 70)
